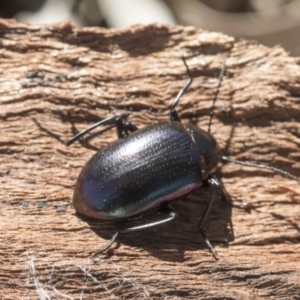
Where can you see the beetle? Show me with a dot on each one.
(146, 169)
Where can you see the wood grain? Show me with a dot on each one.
(56, 79)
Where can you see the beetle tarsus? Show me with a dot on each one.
(210, 247)
(107, 246)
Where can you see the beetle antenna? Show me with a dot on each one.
(261, 166)
(221, 76)
(102, 122)
(183, 90)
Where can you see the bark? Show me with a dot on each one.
(57, 79)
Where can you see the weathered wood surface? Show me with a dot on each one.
(59, 75)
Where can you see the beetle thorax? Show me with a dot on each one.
(207, 145)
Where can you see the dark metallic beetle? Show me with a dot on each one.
(149, 168)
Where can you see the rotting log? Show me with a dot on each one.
(56, 79)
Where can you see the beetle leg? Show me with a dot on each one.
(214, 185)
(168, 210)
(82, 133)
(225, 195)
(123, 127)
(173, 113)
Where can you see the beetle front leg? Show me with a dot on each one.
(123, 127)
(171, 214)
(173, 113)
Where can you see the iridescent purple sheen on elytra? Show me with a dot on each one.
(145, 170)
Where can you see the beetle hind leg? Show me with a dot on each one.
(171, 214)
(214, 186)
(225, 195)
